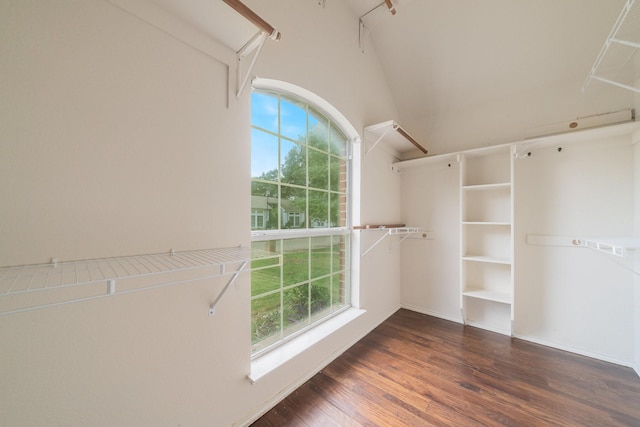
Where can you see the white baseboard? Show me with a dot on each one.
(575, 351)
(439, 315)
(300, 381)
(545, 343)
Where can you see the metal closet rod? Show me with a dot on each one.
(256, 20)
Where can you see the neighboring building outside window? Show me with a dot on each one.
(300, 208)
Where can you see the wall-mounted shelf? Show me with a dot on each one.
(489, 295)
(393, 135)
(481, 187)
(395, 229)
(487, 259)
(370, 19)
(29, 287)
(618, 246)
(618, 49)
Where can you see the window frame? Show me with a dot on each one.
(352, 140)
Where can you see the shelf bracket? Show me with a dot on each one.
(406, 233)
(212, 307)
(256, 43)
(377, 141)
(376, 243)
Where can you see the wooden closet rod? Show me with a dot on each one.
(252, 17)
(391, 7)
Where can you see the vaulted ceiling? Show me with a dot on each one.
(523, 61)
(443, 55)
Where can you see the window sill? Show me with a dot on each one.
(262, 365)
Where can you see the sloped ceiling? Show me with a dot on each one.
(447, 56)
(212, 17)
(521, 60)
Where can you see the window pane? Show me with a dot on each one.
(265, 280)
(320, 296)
(318, 131)
(334, 214)
(337, 142)
(295, 308)
(265, 317)
(264, 202)
(320, 256)
(338, 174)
(294, 163)
(264, 111)
(339, 290)
(340, 252)
(319, 209)
(298, 181)
(293, 123)
(295, 260)
(318, 169)
(264, 155)
(294, 206)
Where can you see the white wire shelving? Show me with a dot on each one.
(30, 287)
(402, 231)
(619, 49)
(618, 246)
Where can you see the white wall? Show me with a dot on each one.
(567, 297)
(431, 268)
(115, 139)
(571, 297)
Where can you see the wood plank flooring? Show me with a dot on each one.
(417, 370)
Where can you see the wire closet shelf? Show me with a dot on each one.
(76, 281)
(619, 49)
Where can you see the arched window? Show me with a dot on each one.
(300, 207)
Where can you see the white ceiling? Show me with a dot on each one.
(448, 57)
(444, 55)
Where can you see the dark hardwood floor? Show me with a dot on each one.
(417, 370)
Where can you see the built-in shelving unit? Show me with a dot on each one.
(393, 135)
(486, 233)
(29, 287)
(394, 229)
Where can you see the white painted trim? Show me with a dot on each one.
(532, 340)
(456, 319)
(273, 359)
(574, 350)
(295, 385)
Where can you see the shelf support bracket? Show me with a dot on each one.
(377, 141)
(256, 43)
(212, 307)
(376, 243)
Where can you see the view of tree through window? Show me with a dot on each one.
(299, 181)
